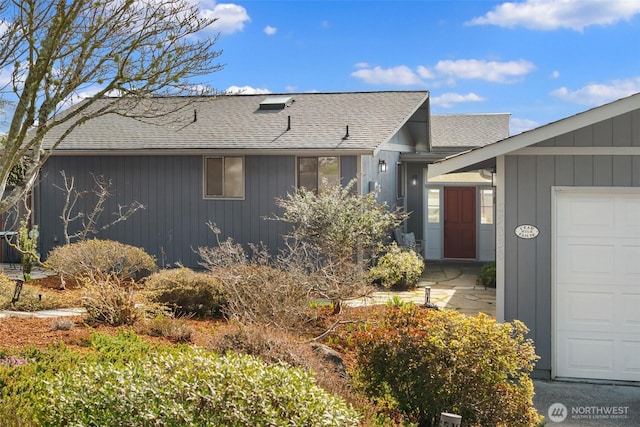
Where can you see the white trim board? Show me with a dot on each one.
(577, 151)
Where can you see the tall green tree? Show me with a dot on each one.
(52, 52)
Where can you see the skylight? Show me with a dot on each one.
(275, 102)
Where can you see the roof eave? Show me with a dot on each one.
(525, 139)
(419, 105)
(209, 151)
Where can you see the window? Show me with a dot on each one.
(401, 183)
(433, 205)
(315, 173)
(224, 177)
(486, 206)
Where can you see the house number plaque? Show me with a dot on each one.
(527, 231)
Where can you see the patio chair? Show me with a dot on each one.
(408, 240)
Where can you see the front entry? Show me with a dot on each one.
(460, 222)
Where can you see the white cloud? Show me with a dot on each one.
(400, 75)
(595, 94)
(445, 72)
(245, 90)
(231, 17)
(492, 71)
(448, 100)
(269, 30)
(517, 126)
(554, 14)
(555, 74)
(425, 73)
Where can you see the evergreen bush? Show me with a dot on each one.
(398, 268)
(422, 362)
(97, 259)
(189, 387)
(186, 292)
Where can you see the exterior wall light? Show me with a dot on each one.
(382, 165)
(414, 180)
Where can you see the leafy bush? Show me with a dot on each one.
(28, 247)
(398, 268)
(487, 275)
(188, 387)
(98, 259)
(186, 292)
(423, 362)
(21, 385)
(337, 233)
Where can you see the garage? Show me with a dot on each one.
(596, 283)
(574, 280)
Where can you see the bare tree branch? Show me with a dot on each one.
(54, 51)
(89, 222)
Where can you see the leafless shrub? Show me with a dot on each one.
(333, 279)
(261, 294)
(115, 302)
(175, 330)
(62, 324)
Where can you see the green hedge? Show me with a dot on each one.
(145, 385)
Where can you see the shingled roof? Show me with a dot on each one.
(302, 121)
(468, 130)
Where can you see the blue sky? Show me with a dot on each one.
(539, 60)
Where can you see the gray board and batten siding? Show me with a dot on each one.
(529, 181)
(173, 223)
(153, 151)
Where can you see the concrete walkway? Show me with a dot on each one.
(452, 286)
(14, 272)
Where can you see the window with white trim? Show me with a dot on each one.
(433, 205)
(224, 177)
(486, 206)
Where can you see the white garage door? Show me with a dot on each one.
(597, 284)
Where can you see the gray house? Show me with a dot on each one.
(568, 238)
(225, 159)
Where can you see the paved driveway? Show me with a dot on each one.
(575, 404)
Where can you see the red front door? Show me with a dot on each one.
(460, 222)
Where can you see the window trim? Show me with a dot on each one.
(481, 206)
(205, 173)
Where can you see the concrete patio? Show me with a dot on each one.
(452, 286)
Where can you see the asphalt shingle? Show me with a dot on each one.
(235, 122)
